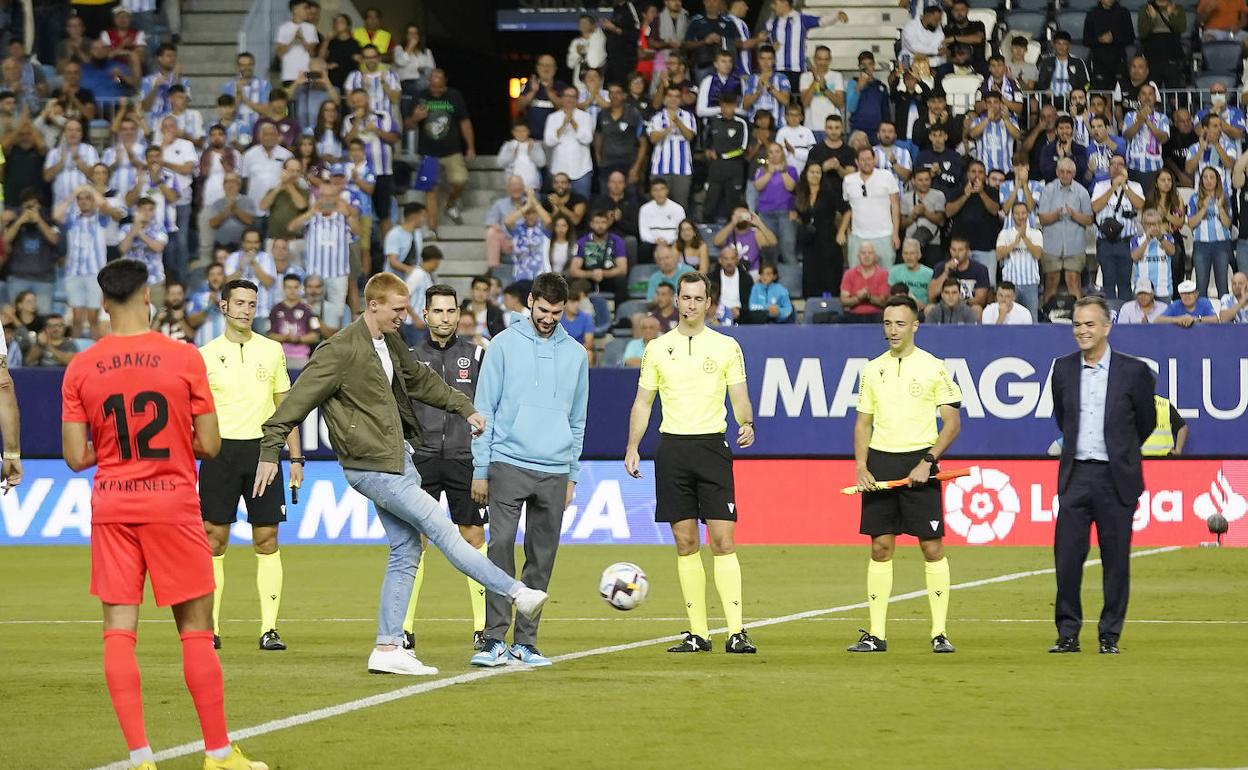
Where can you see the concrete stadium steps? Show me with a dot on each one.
(873, 26)
(209, 45)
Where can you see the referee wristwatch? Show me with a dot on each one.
(929, 458)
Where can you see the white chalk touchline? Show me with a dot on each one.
(329, 712)
(638, 619)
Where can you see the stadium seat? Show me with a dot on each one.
(988, 17)
(1027, 23)
(1079, 5)
(624, 312)
(985, 5)
(1221, 57)
(816, 305)
(1206, 79)
(1072, 22)
(1039, 6)
(960, 91)
(638, 277)
(502, 273)
(790, 275)
(1081, 52)
(613, 352)
(1115, 304)
(1133, 6)
(602, 313)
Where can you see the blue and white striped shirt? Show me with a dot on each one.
(360, 199)
(788, 36)
(125, 173)
(1020, 266)
(673, 156)
(85, 248)
(160, 105)
(139, 6)
(995, 147)
(140, 251)
(1155, 265)
(70, 177)
(1144, 151)
(1229, 301)
(1060, 84)
(241, 132)
(214, 322)
(1007, 187)
(1210, 229)
(327, 250)
(379, 153)
(744, 65)
(374, 84)
(1211, 158)
(1083, 133)
(765, 101)
(900, 153)
(256, 90)
(166, 213)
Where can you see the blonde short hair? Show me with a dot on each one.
(383, 285)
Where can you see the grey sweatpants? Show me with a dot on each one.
(543, 493)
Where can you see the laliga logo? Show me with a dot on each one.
(981, 507)
(1220, 498)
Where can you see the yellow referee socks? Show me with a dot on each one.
(269, 584)
(693, 588)
(409, 623)
(879, 588)
(218, 576)
(937, 575)
(728, 583)
(476, 595)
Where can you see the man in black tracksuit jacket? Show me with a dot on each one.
(727, 137)
(444, 457)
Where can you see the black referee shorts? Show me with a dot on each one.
(917, 511)
(454, 477)
(231, 475)
(693, 479)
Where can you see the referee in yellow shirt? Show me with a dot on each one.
(895, 437)
(248, 377)
(691, 368)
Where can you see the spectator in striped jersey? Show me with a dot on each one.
(788, 30)
(766, 89)
(124, 157)
(671, 132)
(328, 227)
(68, 165)
(204, 308)
(1214, 149)
(115, 207)
(994, 133)
(1020, 247)
(1146, 131)
(891, 157)
(381, 84)
(1235, 305)
(85, 218)
(1151, 252)
(145, 239)
(1209, 217)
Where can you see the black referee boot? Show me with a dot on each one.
(271, 641)
(691, 643)
(868, 643)
(740, 643)
(216, 642)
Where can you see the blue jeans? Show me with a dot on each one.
(1115, 261)
(406, 512)
(1028, 296)
(177, 252)
(1215, 256)
(43, 291)
(583, 185)
(989, 260)
(786, 246)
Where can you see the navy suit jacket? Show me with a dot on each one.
(1130, 416)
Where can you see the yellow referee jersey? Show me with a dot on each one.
(692, 375)
(243, 378)
(903, 395)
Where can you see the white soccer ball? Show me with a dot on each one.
(623, 585)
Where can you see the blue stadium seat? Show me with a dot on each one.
(613, 353)
(815, 305)
(1072, 22)
(990, 5)
(1039, 6)
(1205, 80)
(1222, 57)
(625, 310)
(1079, 5)
(602, 313)
(1081, 52)
(1027, 22)
(638, 277)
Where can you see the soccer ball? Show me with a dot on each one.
(623, 585)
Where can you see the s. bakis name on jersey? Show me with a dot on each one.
(128, 360)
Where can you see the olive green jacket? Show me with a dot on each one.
(368, 418)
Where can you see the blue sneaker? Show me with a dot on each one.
(492, 655)
(529, 656)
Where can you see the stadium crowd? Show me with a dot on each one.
(669, 141)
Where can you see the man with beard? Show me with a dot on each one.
(969, 33)
(1105, 146)
(171, 320)
(833, 154)
(1183, 135)
(601, 258)
(621, 207)
(1064, 146)
(1127, 90)
(937, 113)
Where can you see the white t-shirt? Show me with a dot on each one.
(655, 221)
(873, 214)
(820, 105)
(182, 151)
(730, 289)
(262, 170)
(296, 58)
(801, 139)
(379, 345)
(1017, 316)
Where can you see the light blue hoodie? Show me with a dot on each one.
(533, 393)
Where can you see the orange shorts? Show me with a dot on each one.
(176, 556)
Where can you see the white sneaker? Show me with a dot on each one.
(398, 661)
(529, 601)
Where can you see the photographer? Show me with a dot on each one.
(30, 240)
(748, 235)
(171, 319)
(1116, 202)
(866, 99)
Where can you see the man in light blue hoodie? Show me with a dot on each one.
(533, 391)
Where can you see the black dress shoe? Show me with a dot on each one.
(1109, 646)
(1066, 644)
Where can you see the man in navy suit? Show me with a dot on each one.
(1103, 403)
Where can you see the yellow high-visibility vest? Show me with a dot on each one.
(1161, 442)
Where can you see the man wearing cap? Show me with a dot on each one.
(1144, 309)
(1189, 310)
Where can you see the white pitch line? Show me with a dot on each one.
(643, 619)
(328, 712)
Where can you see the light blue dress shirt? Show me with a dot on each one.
(1093, 386)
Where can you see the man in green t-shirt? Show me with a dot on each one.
(915, 276)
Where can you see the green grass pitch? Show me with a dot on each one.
(1176, 697)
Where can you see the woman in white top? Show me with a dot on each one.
(562, 242)
(413, 62)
